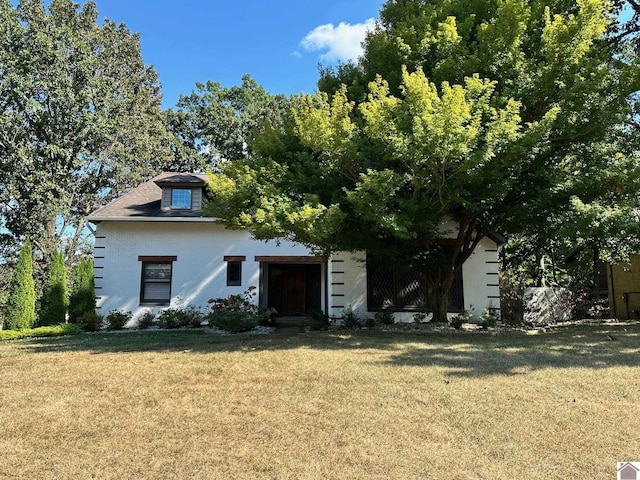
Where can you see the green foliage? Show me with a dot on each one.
(215, 123)
(145, 320)
(318, 320)
(49, 331)
(90, 321)
(350, 319)
(512, 286)
(419, 317)
(82, 297)
(117, 319)
(81, 118)
(20, 312)
(54, 302)
(384, 317)
(237, 313)
(481, 114)
(488, 318)
(180, 317)
(6, 275)
(232, 321)
(458, 320)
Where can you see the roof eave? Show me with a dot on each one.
(498, 238)
(98, 218)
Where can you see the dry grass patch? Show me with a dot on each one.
(321, 405)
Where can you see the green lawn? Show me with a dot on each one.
(361, 404)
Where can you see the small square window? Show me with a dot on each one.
(181, 199)
(234, 274)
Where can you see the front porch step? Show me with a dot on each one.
(290, 321)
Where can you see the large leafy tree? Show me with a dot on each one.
(488, 114)
(214, 124)
(80, 118)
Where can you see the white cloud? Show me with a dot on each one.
(342, 42)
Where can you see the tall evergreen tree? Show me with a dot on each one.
(21, 304)
(82, 298)
(54, 302)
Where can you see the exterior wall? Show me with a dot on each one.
(480, 277)
(624, 288)
(347, 284)
(199, 273)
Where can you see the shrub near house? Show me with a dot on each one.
(237, 313)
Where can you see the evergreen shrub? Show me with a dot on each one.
(82, 297)
(54, 303)
(117, 319)
(20, 312)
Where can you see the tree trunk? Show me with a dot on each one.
(440, 298)
(71, 254)
(440, 281)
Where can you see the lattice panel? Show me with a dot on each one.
(456, 294)
(411, 290)
(381, 287)
(388, 288)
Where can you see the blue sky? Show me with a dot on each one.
(278, 42)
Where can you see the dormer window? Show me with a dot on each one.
(181, 199)
(182, 194)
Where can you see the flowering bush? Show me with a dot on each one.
(237, 313)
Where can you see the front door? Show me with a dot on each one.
(294, 289)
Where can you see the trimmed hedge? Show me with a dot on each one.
(52, 331)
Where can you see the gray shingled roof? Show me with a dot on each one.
(144, 200)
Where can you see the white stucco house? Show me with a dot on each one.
(154, 249)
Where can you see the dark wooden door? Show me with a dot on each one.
(294, 289)
(294, 282)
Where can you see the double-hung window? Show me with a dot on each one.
(155, 286)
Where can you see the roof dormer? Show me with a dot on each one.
(181, 192)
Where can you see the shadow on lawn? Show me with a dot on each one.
(585, 347)
(461, 354)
